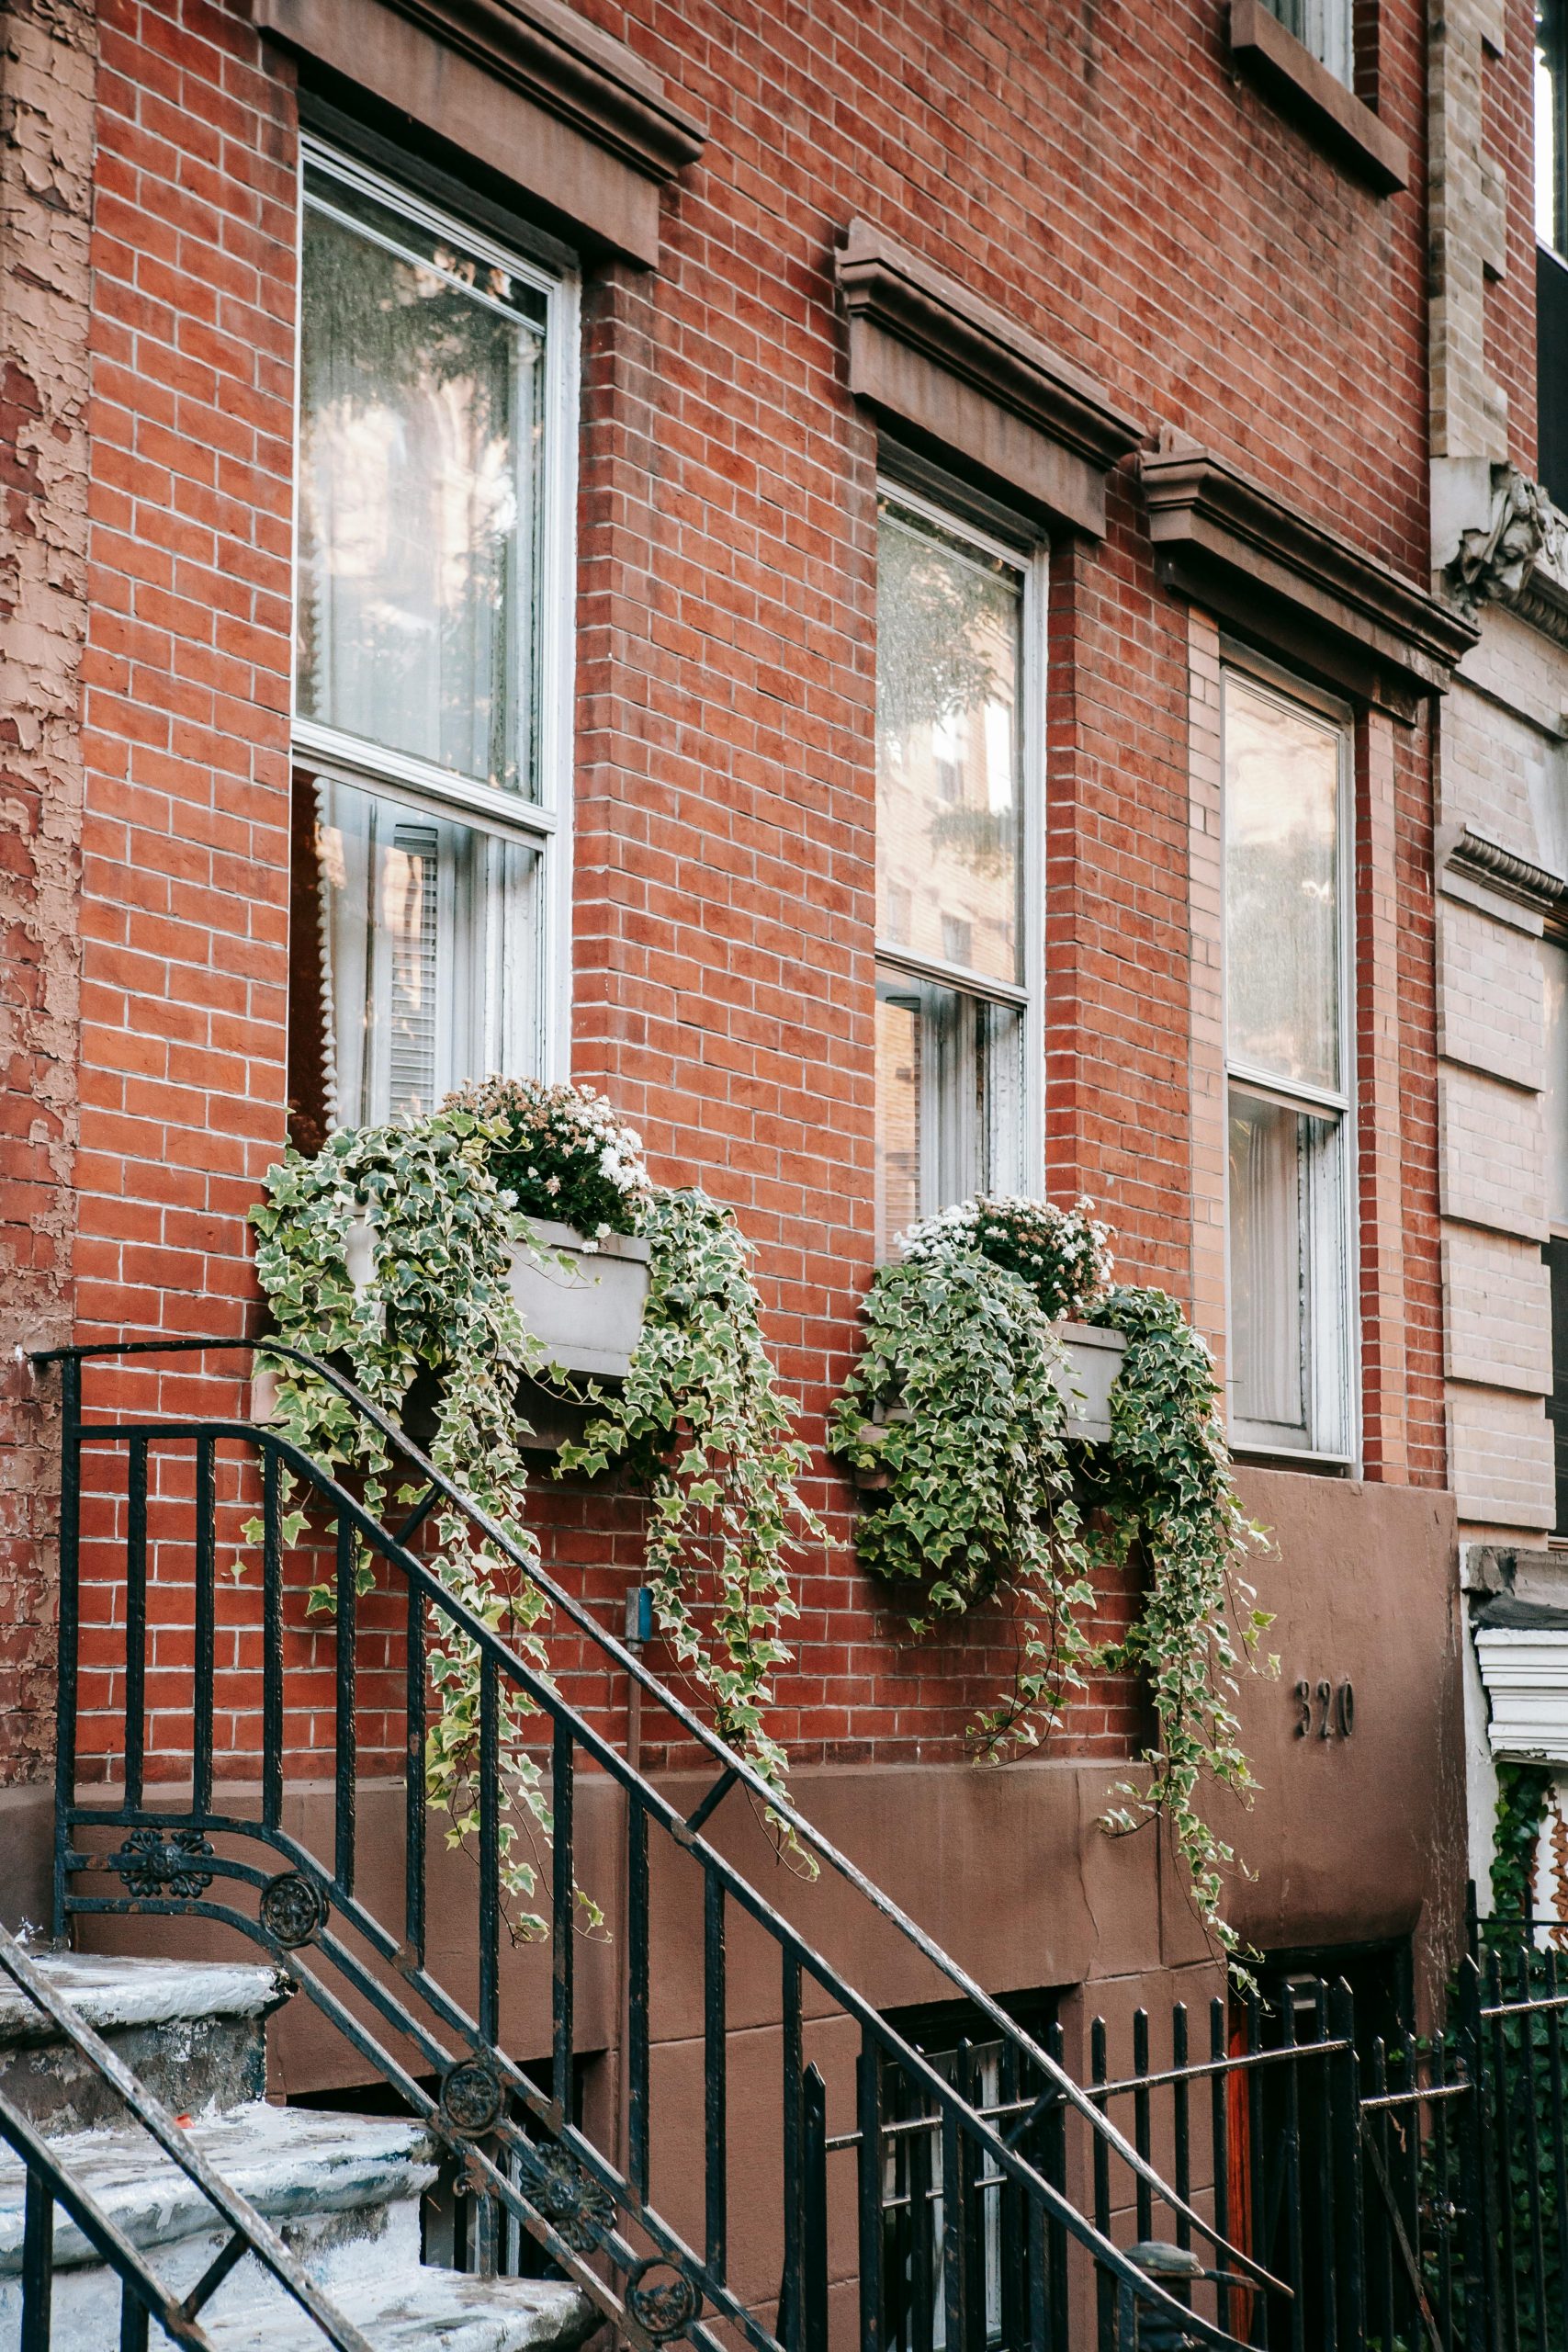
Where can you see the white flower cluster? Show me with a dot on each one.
(1064, 1253)
(564, 1152)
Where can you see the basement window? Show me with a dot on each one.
(432, 673)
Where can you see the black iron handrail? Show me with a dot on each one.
(575, 2208)
(49, 2183)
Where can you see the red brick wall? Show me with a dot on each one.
(1110, 184)
(185, 854)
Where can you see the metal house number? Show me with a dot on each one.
(1327, 1709)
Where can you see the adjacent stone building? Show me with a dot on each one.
(1499, 551)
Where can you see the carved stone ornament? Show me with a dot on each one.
(151, 1864)
(661, 2306)
(471, 2099)
(569, 2198)
(1494, 565)
(292, 1909)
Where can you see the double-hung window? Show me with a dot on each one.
(433, 663)
(958, 617)
(1290, 1348)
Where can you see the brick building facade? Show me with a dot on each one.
(1141, 307)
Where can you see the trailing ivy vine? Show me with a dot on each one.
(702, 1427)
(966, 1368)
(1524, 1799)
(958, 1410)
(1163, 1486)
(390, 1254)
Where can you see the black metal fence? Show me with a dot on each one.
(1410, 2193)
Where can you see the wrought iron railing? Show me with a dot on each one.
(141, 1534)
(51, 2185)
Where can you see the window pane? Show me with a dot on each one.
(421, 465)
(949, 1100)
(427, 954)
(949, 802)
(1282, 888)
(1289, 1304)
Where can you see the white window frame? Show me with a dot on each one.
(543, 824)
(1265, 677)
(1027, 997)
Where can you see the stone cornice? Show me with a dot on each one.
(1543, 603)
(1505, 871)
(455, 65)
(1226, 540)
(924, 348)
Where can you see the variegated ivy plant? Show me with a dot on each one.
(959, 1407)
(431, 1213)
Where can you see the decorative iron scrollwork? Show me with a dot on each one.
(661, 2306)
(569, 2198)
(471, 2099)
(149, 1863)
(292, 1909)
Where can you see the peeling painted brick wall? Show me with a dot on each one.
(48, 62)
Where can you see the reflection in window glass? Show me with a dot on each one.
(951, 1018)
(949, 806)
(421, 456)
(1282, 916)
(426, 953)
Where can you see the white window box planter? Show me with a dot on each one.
(584, 1305)
(1094, 1360)
(586, 1313)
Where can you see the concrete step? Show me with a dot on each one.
(425, 2311)
(194, 2032)
(342, 2191)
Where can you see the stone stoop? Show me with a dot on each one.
(342, 2191)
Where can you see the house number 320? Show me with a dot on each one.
(1334, 1705)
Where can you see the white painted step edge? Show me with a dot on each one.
(428, 2311)
(110, 1995)
(292, 2163)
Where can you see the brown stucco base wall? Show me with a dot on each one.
(1362, 1837)
(26, 1856)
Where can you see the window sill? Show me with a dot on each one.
(1312, 96)
(1273, 1457)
